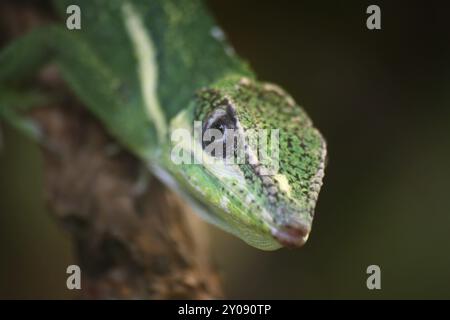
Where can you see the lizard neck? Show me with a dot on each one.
(168, 62)
(191, 51)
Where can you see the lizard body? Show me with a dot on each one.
(146, 69)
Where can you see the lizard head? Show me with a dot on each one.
(250, 157)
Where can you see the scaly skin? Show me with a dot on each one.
(149, 68)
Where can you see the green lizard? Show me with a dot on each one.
(146, 69)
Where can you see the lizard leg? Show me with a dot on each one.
(94, 83)
(18, 61)
(13, 103)
(80, 67)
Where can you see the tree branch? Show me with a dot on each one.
(130, 244)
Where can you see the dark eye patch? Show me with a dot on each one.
(222, 119)
(223, 123)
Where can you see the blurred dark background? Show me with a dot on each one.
(381, 98)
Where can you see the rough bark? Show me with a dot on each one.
(130, 242)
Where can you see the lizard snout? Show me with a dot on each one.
(292, 234)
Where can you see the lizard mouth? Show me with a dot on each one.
(292, 235)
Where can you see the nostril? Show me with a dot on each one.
(292, 234)
(298, 226)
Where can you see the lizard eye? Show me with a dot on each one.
(215, 131)
(222, 123)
